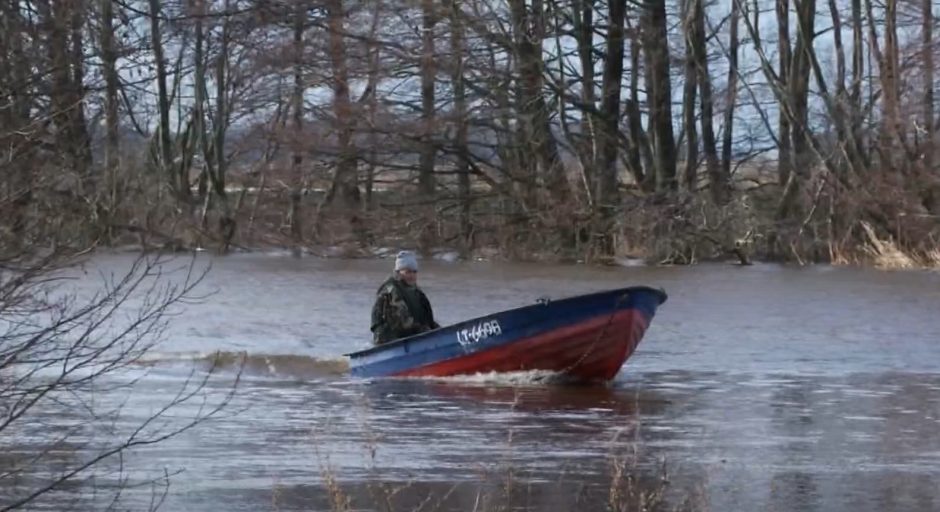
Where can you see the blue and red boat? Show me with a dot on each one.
(587, 338)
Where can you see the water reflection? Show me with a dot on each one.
(533, 398)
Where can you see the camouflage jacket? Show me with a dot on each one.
(400, 310)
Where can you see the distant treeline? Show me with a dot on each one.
(677, 131)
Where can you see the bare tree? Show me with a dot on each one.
(61, 351)
(659, 93)
(797, 106)
(690, 90)
(583, 16)
(218, 171)
(428, 118)
(109, 63)
(731, 96)
(529, 30)
(927, 49)
(462, 152)
(344, 186)
(607, 192)
(297, 104)
(62, 23)
(179, 183)
(371, 98)
(784, 160)
(719, 184)
(639, 153)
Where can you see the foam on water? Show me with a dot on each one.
(257, 365)
(517, 378)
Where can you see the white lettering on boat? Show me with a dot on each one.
(478, 332)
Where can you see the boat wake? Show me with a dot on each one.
(295, 366)
(257, 365)
(517, 378)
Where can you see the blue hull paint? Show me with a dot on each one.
(522, 323)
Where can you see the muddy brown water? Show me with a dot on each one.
(759, 388)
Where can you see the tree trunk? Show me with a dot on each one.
(7, 85)
(14, 91)
(226, 219)
(890, 133)
(583, 15)
(199, 105)
(80, 139)
(373, 50)
(180, 183)
(460, 113)
(858, 74)
(784, 156)
(109, 65)
(518, 171)
(607, 194)
(891, 79)
(638, 151)
(62, 23)
(523, 165)
(732, 93)
(428, 150)
(659, 93)
(529, 32)
(718, 183)
(798, 99)
(297, 99)
(690, 88)
(839, 110)
(929, 182)
(927, 50)
(345, 185)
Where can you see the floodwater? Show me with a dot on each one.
(756, 388)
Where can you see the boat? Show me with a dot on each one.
(584, 338)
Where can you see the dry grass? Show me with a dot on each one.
(634, 480)
(690, 230)
(885, 252)
(932, 258)
(629, 487)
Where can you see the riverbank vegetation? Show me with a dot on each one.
(674, 131)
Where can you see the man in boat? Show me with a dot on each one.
(401, 309)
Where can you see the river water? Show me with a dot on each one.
(755, 388)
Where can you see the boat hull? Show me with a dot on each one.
(588, 337)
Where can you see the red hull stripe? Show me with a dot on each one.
(593, 349)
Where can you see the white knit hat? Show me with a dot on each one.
(406, 260)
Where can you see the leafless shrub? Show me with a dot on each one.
(67, 371)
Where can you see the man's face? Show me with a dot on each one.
(409, 276)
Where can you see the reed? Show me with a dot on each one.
(632, 478)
